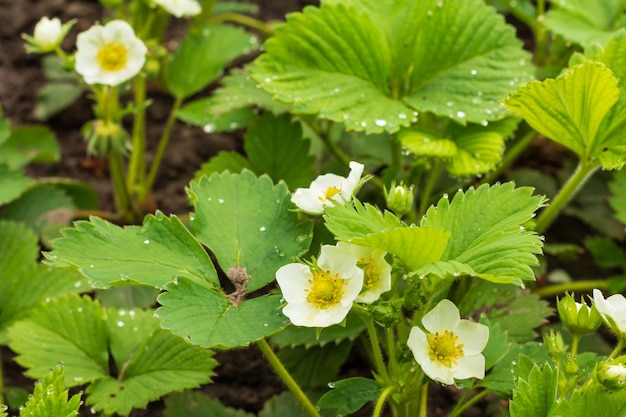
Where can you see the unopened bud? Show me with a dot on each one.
(579, 318)
(399, 198)
(612, 374)
(103, 136)
(48, 35)
(554, 344)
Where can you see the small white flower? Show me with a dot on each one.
(180, 8)
(327, 187)
(323, 294)
(450, 348)
(47, 35)
(109, 54)
(376, 271)
(612, 310)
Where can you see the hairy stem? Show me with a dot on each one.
(569, 189)
(242, 19)
(379, 363)
(287, 378)
(380, 403)
(462, 406)
(137, 163)
(576, 286)
(120, 192)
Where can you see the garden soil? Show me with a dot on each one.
(243, 379)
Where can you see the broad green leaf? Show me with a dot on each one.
(536, 394)
(67, 329)
(161, 364)
(12, 184)
(497, 345)
(230, 161)
(206, 317)
(246, 223)
(127, 330)
(294, 336)
(283, 405)
(197, 404)
(610, 53)
(349, 395)
(132, 296)
(83, 196)
(202, 56)
(316, 366)
(486, 232)
(40, 207)
(274, 145)
(150, 255)
(606, 253)
(571, 109)
(199, 113)
(423, 143)
(594, 401)
(358, 220)
(517, 312)
(460, 61)
(50, 397)
(443, 268)
(585, 22)
(617, 200)
(56, 96)
(28, 144)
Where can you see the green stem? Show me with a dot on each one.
(577, 286)
(137, 163)
(120, 192)
(335, 151)
(244, 20)
(391, 349)
(423, 410)
(618, 349)
(396, 153)
(205, 14)
(429, 187)
(511, 156)
(460, 407)
(287, 378)
(541, 35)
(380, 403)
(379, 362)
(1, 381)
(573, 184)
(158, 156)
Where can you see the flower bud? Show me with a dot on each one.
(103, 136)
(612, 374)
(48, 35)
(554, 344)
(579, 318)
(399, 198)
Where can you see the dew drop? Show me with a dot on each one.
(209, 127)
(266, 325)
(484, 123)
(364, 124)
(253, 40)
(450, 104)
(220, 200)
(262, 229)
(120, 323)
(401, 116)
(91, 266)
(473, 72)
(234, 125)
(331, 385)
(78, 284)
(380, 122)
(147, 241)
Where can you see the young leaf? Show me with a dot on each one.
(230, 161)
(583, 22)
(197, 404)
(12, 184)
(28, 144)
(275, 147)
(206, 317)
(151, 255)
(535, 394)
(486, 232)
(571, 109)
(462, 59)
(349, 395)
(594, 401)
(255, 231)
(51, 398)
(202, 56)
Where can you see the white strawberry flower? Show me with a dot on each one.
(322, 294)
(180, 8)
(47, 35)
(612, 310)
(449, 348)
(328, 187)
(109, 54)
(376, 271)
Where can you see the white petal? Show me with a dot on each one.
(445, 316)
(473, 336)
(307, 200)
(470, 367)
(308, 316)
(338, 260)
(438, 372)
(418, 343)
(293, 280)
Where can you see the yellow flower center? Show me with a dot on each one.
(325, 290)
(370, 274)
(112, 56)
(330, 193)
(444, 349)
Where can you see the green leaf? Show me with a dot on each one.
(40, 207)
(12, 184)
(83, 196)
(206, 317)
(50, 398)
(162, 363)
(230, 161)
(571, 109)
(611, 54)
(283, 405)
(583, 22)
(255, 230)
(151, 255)
(617, 200)
(536, 394)
(275, 147)
(200, 113)
(606, 253)
(453, 58)
(486, 232)
(594, 401)
(349, 395)
(347, 222)
(497, 345)
(56, 96)
(28, 144)
(202, 56)
(67, 329)
(197, 404)
(315, 366)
